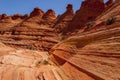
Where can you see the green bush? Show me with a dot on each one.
(90, 24)
(111, 20)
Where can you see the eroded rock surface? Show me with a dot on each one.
(32, 32)
(94, 56)
(64, 19)
(88, 11)
(23, 64)
(91, 53)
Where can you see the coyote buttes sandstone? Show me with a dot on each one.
(33, 47)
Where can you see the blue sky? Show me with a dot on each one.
(26, 6)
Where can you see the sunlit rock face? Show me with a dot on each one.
(34, 31)
(35, 47)
(49, 17)
(50, 14)
(36, 12)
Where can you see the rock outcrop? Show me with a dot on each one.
(3, 16)
(36, 12)
(17, 16)
(32, 32)
(109, 2)
(88, 11)
(64, 19)
(49, 17)
(50, 14)
(91, 53)
(90, 56)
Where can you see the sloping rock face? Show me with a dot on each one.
(90, 56)
(112, 11)
(64, 19)
(94, 54)
(89, 10)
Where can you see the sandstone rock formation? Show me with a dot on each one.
(49, 17)
(64, 19)
(85, 54)
(91, 56)
(16, 16)
(88, 11)
(33, 32)
(3, 16)
(50, 14)
(23, 64)
(36, 12)
(94, 54)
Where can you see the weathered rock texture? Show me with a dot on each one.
(88, 11)
(33, 32)
(23, 64)
(36, 12)
(41, 30)
(64, 19)
(90, 56)
(91, 53)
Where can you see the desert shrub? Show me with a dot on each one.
(90, 24)
(44, 62)
(30, 47)
(111, 20)
(38, 63)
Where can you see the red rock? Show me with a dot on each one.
(50, 14)
(96, 54)
(117, 1)
(90, 55)
(69, 9)
(24, 16)
(64, 19)
(89, 10)
(49, 17)
(68, 15)
(16, 16)
(36, 12)
(3, 16)
(109, 2)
